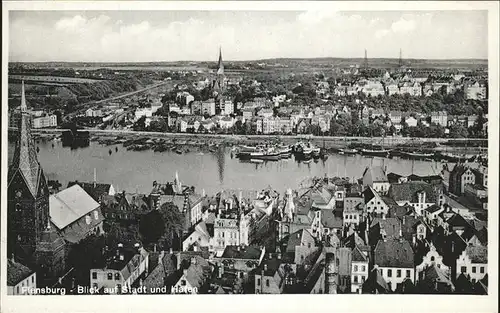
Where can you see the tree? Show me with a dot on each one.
(152, 227)
(174, 223)
(458, 131)
(140, 124)
(158, 125)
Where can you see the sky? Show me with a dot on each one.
(150, 36)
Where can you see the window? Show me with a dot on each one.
(96, 215)
(267, 282)
(481, 270)
(463, 269)
(110, 276)
(33, 279)
(117, 276)
(355, 279)
(439, 265)
(363, 278)
(87, 219)
(473, 269)
(473, 280)
(94, 275)
(432, 258)
(17, 289)
(258, 281)
(408, 273)
(183, 282)
(308, 245)
(355, 268)
(363, 268)
(398, 273)
(389, 273)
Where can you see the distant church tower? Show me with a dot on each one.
(28, 221)
(218, 85)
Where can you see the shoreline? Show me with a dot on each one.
(325, 142)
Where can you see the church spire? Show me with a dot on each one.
(220, 67)
(25, 159)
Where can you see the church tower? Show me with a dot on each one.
(27, 193)
(218, 85)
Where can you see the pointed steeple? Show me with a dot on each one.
(25, 159)
(220, 66)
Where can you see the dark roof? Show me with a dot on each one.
(463, 284)
(268, 266)
(330, 219)
(354, 240)
(457, 220)
(408, 191)
(391, 226)
(16, 272)
(406, 287)
(314, 275)
(375, 283)
(409, 226)
(95, 190)
(368, 194)
(433, 274)
(398, 211)
(295, 239)
(242, 252)
(358, 255)
(156, 278)
(394, 253)
(433, 208)
(477, 254)
(393, 178)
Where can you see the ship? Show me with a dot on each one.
(417, 155)
(375, 151)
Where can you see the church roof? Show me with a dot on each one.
(69, 205)
(25, 159)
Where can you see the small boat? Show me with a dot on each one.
(417, 155)
(348, 151)
(110, 152)
(37, 149)
(257, 161)
(178, 151)
(116, 149)
(376, 152)
(307, 161)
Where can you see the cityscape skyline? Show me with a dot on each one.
(114, 36)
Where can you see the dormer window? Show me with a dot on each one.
(87, 219)
(96, 215)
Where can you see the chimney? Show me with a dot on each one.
(170, 251)
(265, 267)
(160, 257)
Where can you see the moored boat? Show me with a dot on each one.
(348, 151)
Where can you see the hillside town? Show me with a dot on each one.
(381, 233)
(353, 101)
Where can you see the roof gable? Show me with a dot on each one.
(69, 205)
